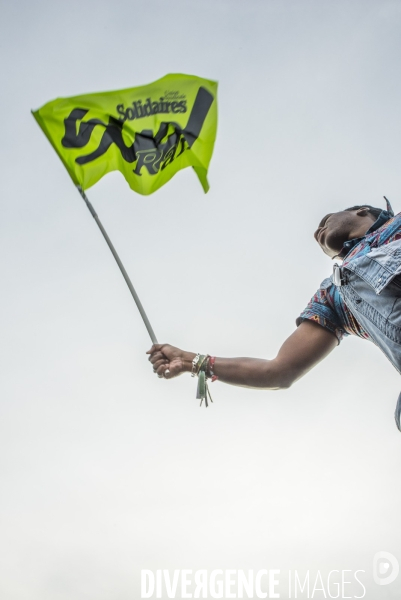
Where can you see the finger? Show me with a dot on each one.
(157, 364)
(156, 356)
(154, 348)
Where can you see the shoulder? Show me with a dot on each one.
(326, 283)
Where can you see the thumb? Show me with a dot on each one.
(167, 373)
(172, 369)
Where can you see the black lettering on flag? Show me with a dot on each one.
(146, 148)
(72, 139)
(168, 156)
(149, 159)
(111, 135)
(202, 104)
(151, 153)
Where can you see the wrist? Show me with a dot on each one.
(187, 361)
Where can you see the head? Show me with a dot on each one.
(337, 228)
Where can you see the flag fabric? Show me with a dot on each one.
(148, 132)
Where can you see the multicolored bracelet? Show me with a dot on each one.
(200, 367)
(198, 363)
(211, 368)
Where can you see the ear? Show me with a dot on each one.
(362, 212)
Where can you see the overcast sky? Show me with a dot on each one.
(107, 470)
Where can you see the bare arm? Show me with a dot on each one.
(304, 349)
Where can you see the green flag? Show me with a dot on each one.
(148, 132)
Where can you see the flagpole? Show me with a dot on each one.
(121, 266)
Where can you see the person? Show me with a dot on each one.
(362, 297)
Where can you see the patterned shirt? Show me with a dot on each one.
(327, 307)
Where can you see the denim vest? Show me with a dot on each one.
(371, 288)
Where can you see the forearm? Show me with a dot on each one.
(300, 352)
(246, 372)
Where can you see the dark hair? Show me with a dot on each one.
(373, 210)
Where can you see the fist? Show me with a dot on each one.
(168, 361)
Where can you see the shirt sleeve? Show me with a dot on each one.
(321, 310)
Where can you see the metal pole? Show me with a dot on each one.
(120, 264)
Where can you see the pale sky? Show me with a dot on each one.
(107, 470)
